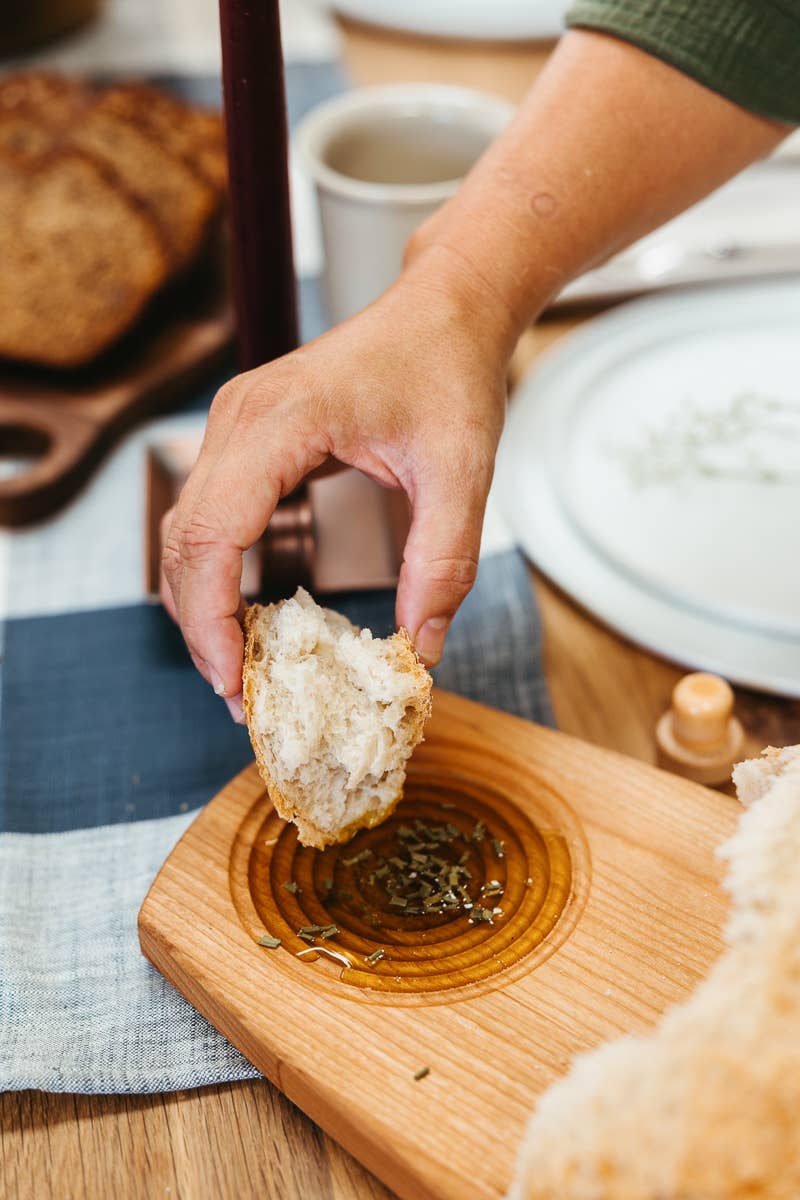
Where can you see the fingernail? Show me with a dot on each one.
(235, 708)
(216, 682)
(430, 639)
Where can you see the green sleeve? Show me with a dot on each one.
(747, 50)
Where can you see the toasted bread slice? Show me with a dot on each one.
(26, 89)
(63, 305)
(194, 135)
(182, 202)
(41, 115)
(333, 715)
(34, 109)
(79, 260)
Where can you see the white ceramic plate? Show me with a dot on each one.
(651, 467)
(501, 19)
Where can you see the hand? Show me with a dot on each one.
(412, 393)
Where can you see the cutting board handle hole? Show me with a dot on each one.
(21, 446)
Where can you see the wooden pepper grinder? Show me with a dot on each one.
(699, 737)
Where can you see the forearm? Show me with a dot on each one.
(411, 391)
(608, 145)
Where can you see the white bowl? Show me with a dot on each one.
(514, 20)
(421, 138)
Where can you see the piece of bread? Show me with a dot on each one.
(32, 106)
(181, 201)
(26, 89)
(708, 1106)
(36, 108)
(62, 308)
(194, 135)
(120, 128)
(333, 715)
(79, 260)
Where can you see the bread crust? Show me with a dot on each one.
(195, 135)
(309, 833)
(706, 1106)
(165, 162)
(87, 332)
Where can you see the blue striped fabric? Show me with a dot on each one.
(109, 744)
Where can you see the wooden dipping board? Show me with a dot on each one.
(621, 918)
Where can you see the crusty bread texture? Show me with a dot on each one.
(194, 135)
(56, 278)
(708, 1106)
(181, 201)
(133, 216)
(117, 128)
(333, 715)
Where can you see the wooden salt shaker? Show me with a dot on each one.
(699, 737)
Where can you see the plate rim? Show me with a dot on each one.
(535, 512)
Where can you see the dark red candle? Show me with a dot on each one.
(261, 228)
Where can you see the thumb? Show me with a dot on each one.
(440, 561)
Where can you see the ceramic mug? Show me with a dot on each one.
(382, 160)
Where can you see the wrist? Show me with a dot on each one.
(465, 292)
(495, 293)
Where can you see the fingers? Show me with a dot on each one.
(265, 456)
(441, 555)
(208, 562)
(164, 590)
(234, 703)
(221, 422)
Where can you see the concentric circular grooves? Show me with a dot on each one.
(421, 964)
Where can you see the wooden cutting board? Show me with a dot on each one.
(611, 912)
(66, 422)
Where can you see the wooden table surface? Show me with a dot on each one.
(245, 1140)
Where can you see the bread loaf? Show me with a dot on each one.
(48, 116)
(181, 200)
(706, 1108)
(33, 106)
(78, 260)
(194, 135)
(64, 142)
(333, 715)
